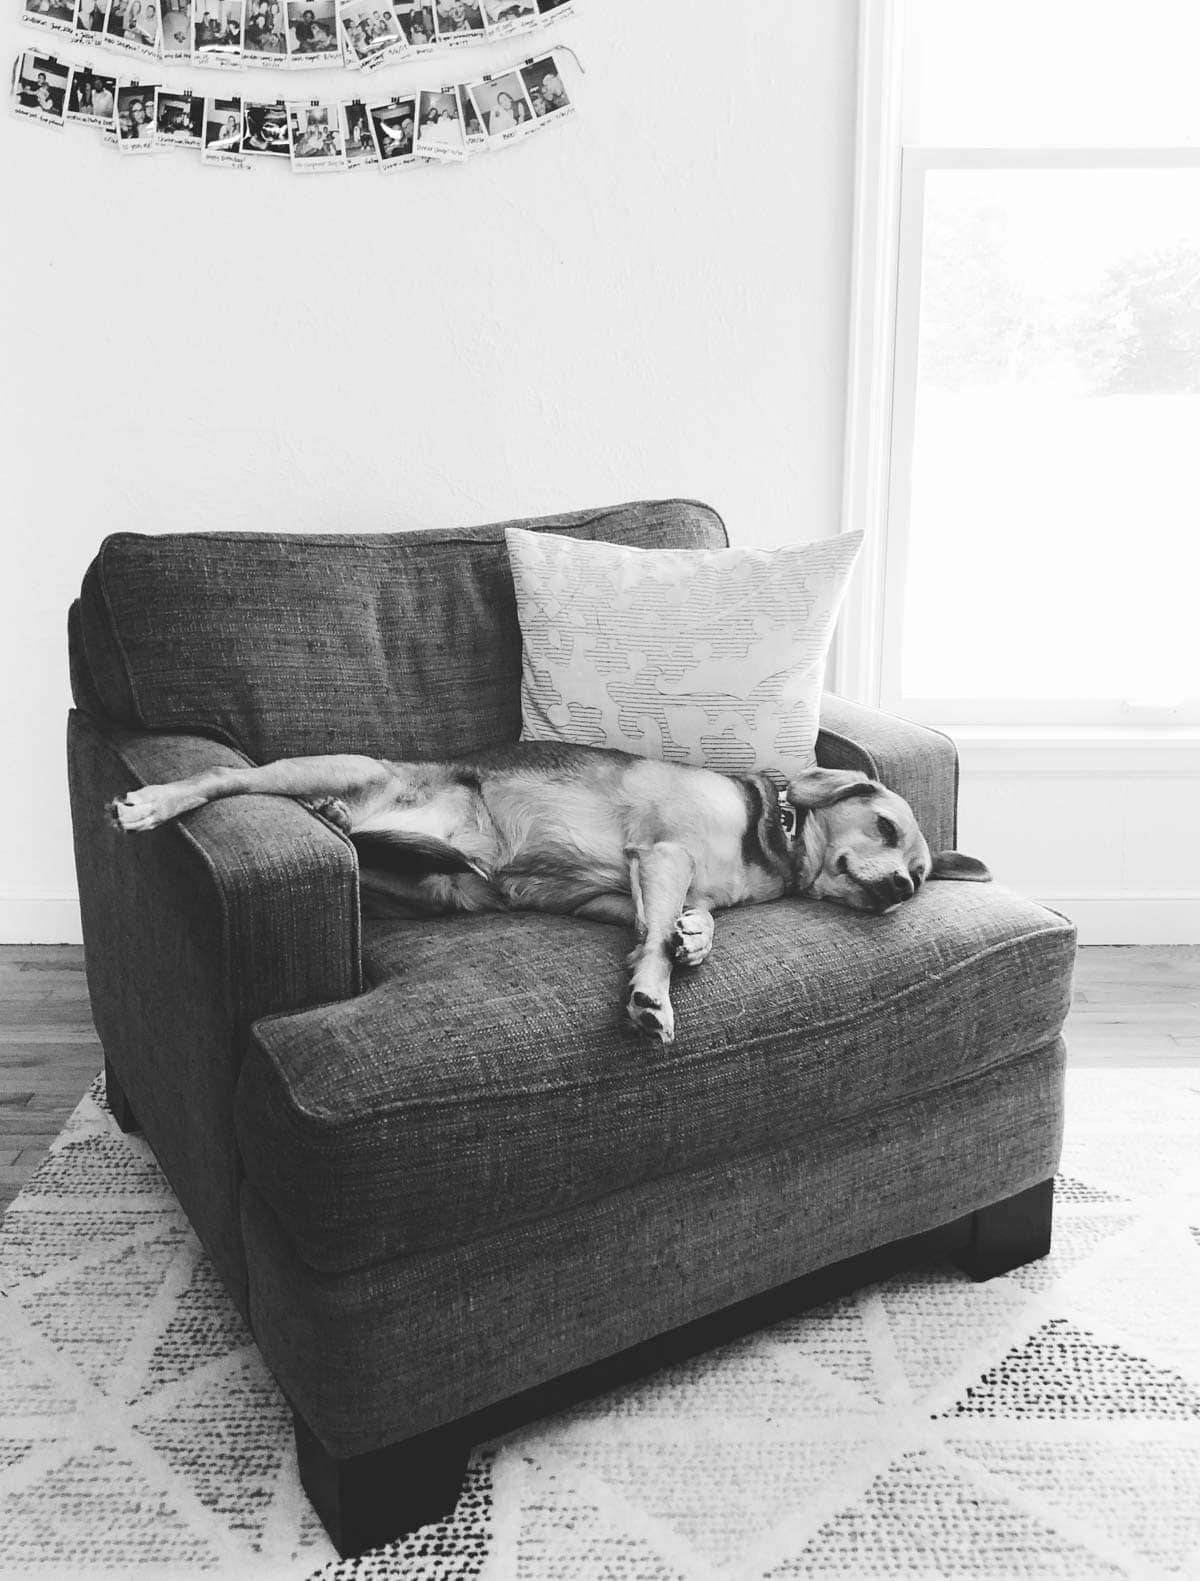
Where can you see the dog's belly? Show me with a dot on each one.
(560, 843)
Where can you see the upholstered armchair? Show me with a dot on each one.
(443, 1182)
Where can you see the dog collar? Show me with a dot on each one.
(791, 817)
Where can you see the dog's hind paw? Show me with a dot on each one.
(331, 808)
(651, 1015)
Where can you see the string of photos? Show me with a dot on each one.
(425, 125)
(298, 34)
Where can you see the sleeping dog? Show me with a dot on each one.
(654, 846)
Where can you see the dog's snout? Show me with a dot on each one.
(890, 891)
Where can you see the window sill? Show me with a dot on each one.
(1078, 749)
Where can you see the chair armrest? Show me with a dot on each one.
(242, 908)
(917, 763)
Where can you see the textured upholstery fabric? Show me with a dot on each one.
(469, 1178)
(917, 763)
(710, 658)
(381, 1354)
(244, 907)
(398, 645)
(488, 1078)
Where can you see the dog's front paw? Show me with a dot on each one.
(652, 1014)
(692, 940)
(140, 810)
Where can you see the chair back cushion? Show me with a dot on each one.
(399, 645)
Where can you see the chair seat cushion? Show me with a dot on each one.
(487, 1077)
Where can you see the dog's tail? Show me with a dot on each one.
(412, 855)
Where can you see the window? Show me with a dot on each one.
(1042, 543)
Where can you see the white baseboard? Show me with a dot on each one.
(1102, 918)
(1120, 917)
(40, 919)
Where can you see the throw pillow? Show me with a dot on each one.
(710, 657)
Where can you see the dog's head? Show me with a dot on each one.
(857, 843)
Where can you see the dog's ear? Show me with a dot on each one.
(953, 864)
(823, 787)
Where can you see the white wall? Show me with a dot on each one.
(192, 348)
(1098, 825)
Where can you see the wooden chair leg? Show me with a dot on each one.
(122, 1110)
(367, 1500)
(1009, 1233)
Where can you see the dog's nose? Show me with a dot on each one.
(890, 891)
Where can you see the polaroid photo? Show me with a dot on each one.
(459, 21)
(216, 32)
(416, 23)
(137, 118)
(506, 17)
(439, 129)
(312, 33)
(547, 92)
(93, 97)
(223, 134)
(503, 106)
(264, 35)
(55, 16)
(556, 10)
(317, 141)
(41, 88)
(175, 29)
(180, 119)
(266, 130)
(371, 32)
(361, 152)
(143, 27)
(474, 135)
(90, 16)
(394, 128)
(133, 26)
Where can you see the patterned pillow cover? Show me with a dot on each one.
(710, 657)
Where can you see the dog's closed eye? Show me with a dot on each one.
(888, 830)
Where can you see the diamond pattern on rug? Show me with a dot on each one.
(748, 1378)
(1143, 1494)
(35, 1241)
(1075, 1240)
(233, 1475)
(919, 1518)
(1111, 1299)
(565, 1532)
(834, 1338)
(29, 1387)
(203, 1327)
(92, 1318)
(721, 1493)
(97, 1508)
(939, 1318)
(1074, 1192)
(98, 1165)
(1064, 1373)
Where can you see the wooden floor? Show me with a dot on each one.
(1132, 1007)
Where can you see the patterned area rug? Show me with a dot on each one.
(1044, 1424)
